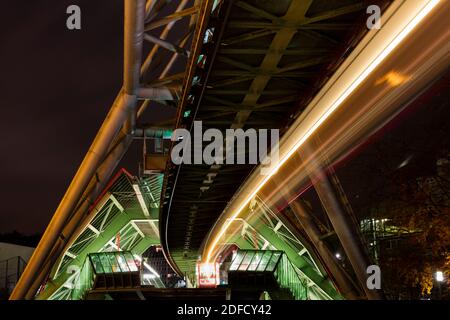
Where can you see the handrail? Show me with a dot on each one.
(94, 267)
(85, 281)
(287, 278)
(283, 270)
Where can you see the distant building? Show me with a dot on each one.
(13, 259)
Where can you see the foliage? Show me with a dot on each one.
(420, 209)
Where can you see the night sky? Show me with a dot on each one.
(56, 88)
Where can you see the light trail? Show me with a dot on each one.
(403, 21)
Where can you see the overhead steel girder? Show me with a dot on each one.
(157, 94)
(203, 16)
(248, 88)
(296, 12)
(163, 36)
(166, 45)
(133, 43)
(389, 101)
(170, 18)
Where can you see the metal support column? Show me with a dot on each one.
(309, 226)
(122, 110)
(95, 155)
(344, 228)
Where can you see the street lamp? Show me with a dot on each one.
(439, 279)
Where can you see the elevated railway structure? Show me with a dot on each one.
(236, 64)
(262, 63)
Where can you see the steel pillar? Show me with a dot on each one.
(309, 226)
(120, 112)
(95, 155)
(344, 227)
(96, 186)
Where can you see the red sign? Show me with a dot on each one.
(207, 275)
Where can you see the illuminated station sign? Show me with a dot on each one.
(207, 275)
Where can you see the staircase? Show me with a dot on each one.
(265, 270)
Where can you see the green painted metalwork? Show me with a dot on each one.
(300, 262)
(113, 262)
(256, 260)
(120, 213)
(84, 283)
(263, 230)
(105, 265)
(99, 264)
(274, 262)
(144, 244)
(287, 277)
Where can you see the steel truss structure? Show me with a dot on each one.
(262, 229)
(231, 64)
(143, 82)
(117, 223)
(260, 64)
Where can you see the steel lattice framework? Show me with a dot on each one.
(230, 64)
(262, 229)
(261, 63)
(243, 63)
(143, 82)
(118, 212)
